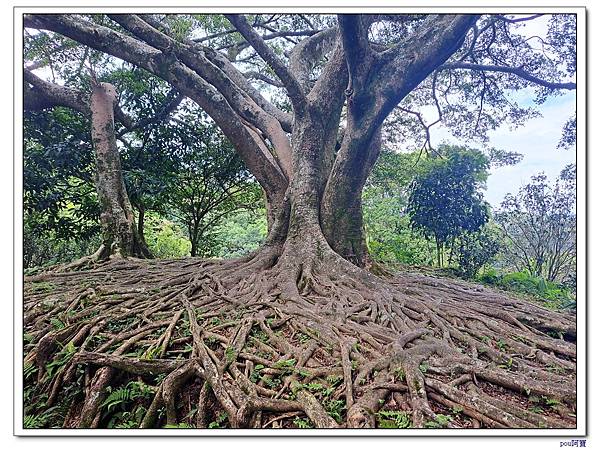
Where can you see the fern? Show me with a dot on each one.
(57, 324)
(39, 421)
(62, 358)
(28, 370)
(180, 425)
(125, 394)
(117, 397)
(34, 421)
(393, 419)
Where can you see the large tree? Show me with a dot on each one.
(311, 147)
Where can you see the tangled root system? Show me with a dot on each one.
(271, 343)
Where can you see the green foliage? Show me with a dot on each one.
(41, 286)
(335, 408)
(239, 234)
(29, 369)
(219, 422)
(457, 409)
(60, 360)
(389, 236)
(165, 238)
(474, 250)
(554, 295)
(56, 323)
(286, 365)
(255, 375)
(40, 420)
(539, 226)
(446, 200)
(303, 423)
(399, 373)
(183, 425)
(127, 419)
(60, 207)
(393, 419)
(124, 395)
(43, 247)
(441, 421)
(229, 354)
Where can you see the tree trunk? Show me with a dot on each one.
(194, 237)
(141, 217)
(119, 233)
(341, 209)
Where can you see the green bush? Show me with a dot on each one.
(474, 250)
(523, 282)
(239, 234)
(165, 238)
(42, 248)
(489, 276)
(553, 294)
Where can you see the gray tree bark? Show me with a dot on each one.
(119, 232)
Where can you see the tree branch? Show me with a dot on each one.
(518, 71)
(355, 40)
(262, 77)
(306, 54)
(239, 100)
(189, 83)
(44, 94)
(288, 79)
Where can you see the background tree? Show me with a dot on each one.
(209, 182)
(389, 235)
(540, 224)
(475, 249)
(119, 235)
(59, 199)
(446, 200)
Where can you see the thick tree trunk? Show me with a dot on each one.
(119, 233)
(341, 208)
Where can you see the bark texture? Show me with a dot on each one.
(120, 235)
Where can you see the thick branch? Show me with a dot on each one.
(306, 54)
(44, 94)
(356, 47)
(237, 99)
(167, 66)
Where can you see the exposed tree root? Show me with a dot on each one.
(267, 342)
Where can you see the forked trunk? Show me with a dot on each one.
(119, 233)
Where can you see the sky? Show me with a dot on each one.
(536, 140)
